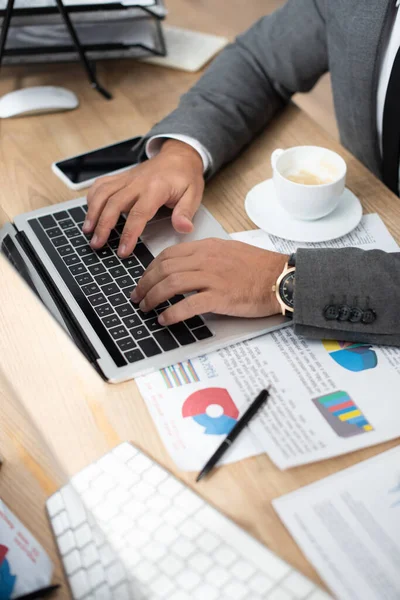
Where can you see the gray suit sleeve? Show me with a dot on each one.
(358, 278)
(252, 79)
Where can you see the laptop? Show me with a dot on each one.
(88, 292)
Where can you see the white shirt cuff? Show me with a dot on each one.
(154, 144)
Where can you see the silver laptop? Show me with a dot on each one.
(89, 292)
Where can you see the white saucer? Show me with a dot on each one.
(263, 209)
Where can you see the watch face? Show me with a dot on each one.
(286, 289)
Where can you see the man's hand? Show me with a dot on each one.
(231, 278)
(174, 177)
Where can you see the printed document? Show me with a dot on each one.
(348, 526)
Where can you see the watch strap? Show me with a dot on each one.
(292, 260)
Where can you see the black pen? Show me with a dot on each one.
(42, 593)
(237, 428)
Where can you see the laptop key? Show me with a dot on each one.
(118, 332)
(129, 262)
(105, 310)
(125, 310)
(84, 250)
(140, 332)
(72, 232)
(111, 262)
(153, 324)
(149, 347)
(91, 288)
(91, 259)
(78, 241)
(54, 232)
(72, 259)
(95, 269)
(165, 339)
(61, 215)
(136, 271)
(78, 214)
(176, 298)
(77, 269)
(146, 315)
(84, 279)
(47, 222)
(126, 344)
(59, 241)
(194, 322)
(65, 250)
(97, 299)
(104, 253)
(109, 289)
(111, 321)
(117, 299)
(144, 255)
(182, 334)
(134, 356)
(118, 272)
(114, 235)
(162, 306)
(66, 224)
(103, 278)
(125, 281)
(131, 321)
(202, 333)
(113, 244)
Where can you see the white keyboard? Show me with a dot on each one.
(187, 50)
(127, 529)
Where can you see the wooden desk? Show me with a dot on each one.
(57, 415)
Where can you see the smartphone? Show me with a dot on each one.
(79, 172)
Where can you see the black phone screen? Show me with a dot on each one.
(100, 162)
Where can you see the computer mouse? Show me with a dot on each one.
(36, 100)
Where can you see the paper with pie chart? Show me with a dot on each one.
(328, 397)
(24, 565)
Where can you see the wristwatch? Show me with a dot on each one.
(284, 287)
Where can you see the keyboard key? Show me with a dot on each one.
(127, 292)
(126, 344)
(97, 299)
(84, 279)
(78, 214)
(55, 232)
(65, 250)
(113, 244)
(47, 222)
(95, 269)
(140, 332)
(72, 232)
(202, 333)
(91, 259)
(103, 278)
(112, 262)
(144, 255)
(132, 321)
(61, 215)
(136, 271)
(149, 347)
(118, 332)
(78, 241)
(153, 324)
(134, 356)
(104, 252)
(84, 250)
(114, 235)
(111, 321)
(125, 310)
(118, 272)
(59, 241)
(146, 315)
(71, 260)
(182, 334)
(176, 298)
(117, 299)
(91, 288)
(163, 305)
(194, 322)
(110, 289)
(129, 262)
(125, 282)
(165, 339)
(104, 310)
(77, 269)
(66, 224)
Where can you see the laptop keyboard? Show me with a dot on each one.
(128, 530)
(102, 282)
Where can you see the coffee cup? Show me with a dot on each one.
(308, 181)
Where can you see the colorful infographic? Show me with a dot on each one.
(342, 414)
(180, 374)
(350, 356)
(213, 409)
(7, 580)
